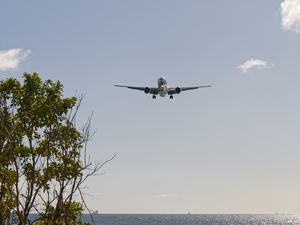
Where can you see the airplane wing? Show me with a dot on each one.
(177, 90)
(147, 90)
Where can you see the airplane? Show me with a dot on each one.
(162, 89)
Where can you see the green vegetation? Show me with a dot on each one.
(43, 161)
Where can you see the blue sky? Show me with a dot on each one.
(232, 148)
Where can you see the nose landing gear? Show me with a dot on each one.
(171, 96)
(153, 96)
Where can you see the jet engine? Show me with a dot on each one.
(178, 90)
(147, 90)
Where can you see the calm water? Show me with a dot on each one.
(113, 219)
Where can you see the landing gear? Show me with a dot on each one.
(171, 96)
(153, 96)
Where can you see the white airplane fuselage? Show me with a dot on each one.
(162, 87)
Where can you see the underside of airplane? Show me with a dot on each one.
(162, 89)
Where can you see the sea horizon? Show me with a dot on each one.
(191, 219)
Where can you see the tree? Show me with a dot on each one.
(43, 159)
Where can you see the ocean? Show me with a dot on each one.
(138, 219)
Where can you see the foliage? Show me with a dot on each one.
(43, 159)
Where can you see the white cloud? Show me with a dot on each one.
(252, 64)
(10, 59)
(290, 15)
(167, 195)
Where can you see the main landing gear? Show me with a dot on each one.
(171, 96)
(153, 96)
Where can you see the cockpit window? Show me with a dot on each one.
(162, 81)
